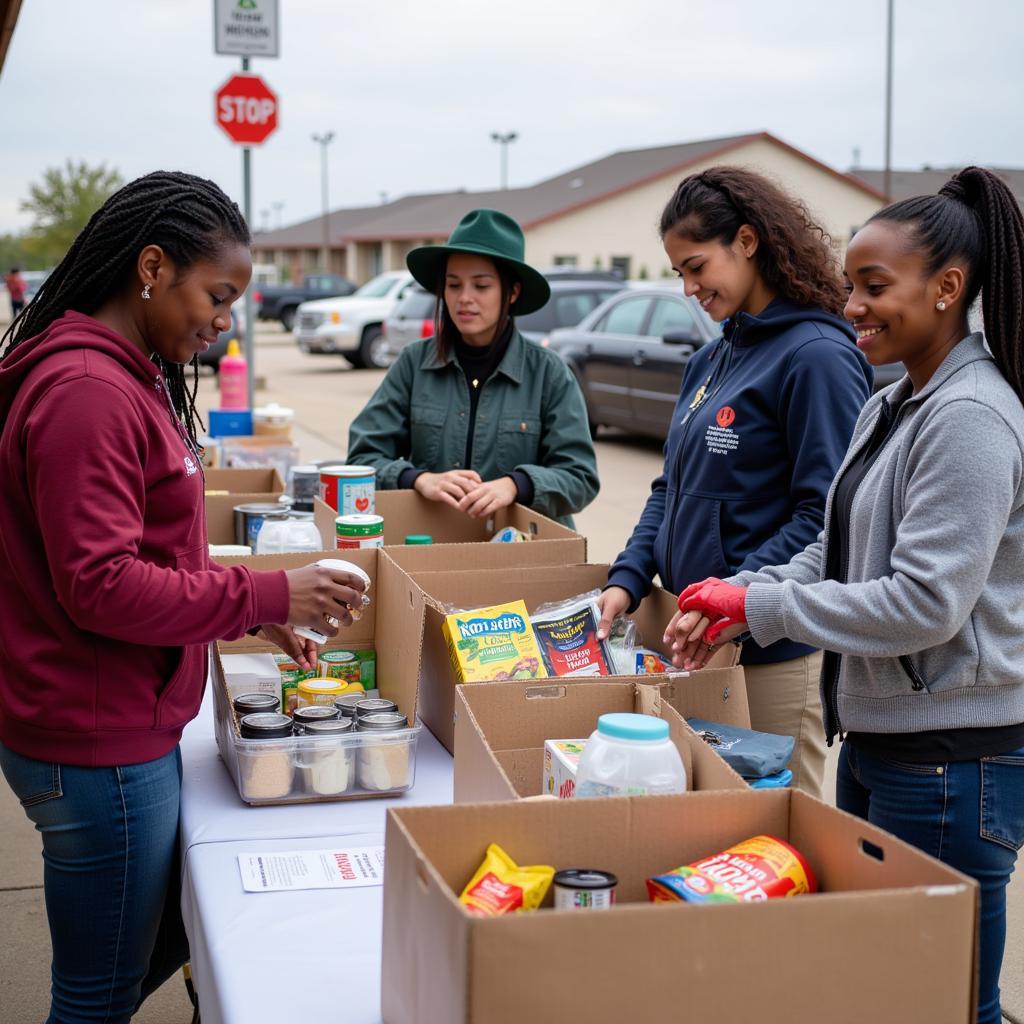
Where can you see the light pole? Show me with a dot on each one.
(887, 173)
(278, 207)
(503, 140)
(325, 255)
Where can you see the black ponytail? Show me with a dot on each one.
(188, 217)
(976, 218)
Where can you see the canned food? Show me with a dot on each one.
(584, 889)
(265, 725)
(359, 531)
(322, 691)
(249, 520)
(381, 721)
(305, 486)
(374, 705)
(329, 726)
(312, 714)
(348, 489)
(250, 703)
(346, 704)
(343, 665)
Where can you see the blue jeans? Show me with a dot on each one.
(968, 814)
(111, 880)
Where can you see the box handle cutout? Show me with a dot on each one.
(545, 692)
(534, 528)
(872, 850)
(726, 694)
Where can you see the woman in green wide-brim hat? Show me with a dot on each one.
(476, 416)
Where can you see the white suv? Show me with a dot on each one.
(351, 325)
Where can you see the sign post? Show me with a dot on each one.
(245, 110)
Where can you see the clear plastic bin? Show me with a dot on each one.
(299, 769)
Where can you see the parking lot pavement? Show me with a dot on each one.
(327, 395)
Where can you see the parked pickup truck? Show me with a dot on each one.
(279, 302)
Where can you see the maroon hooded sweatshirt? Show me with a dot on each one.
(107, 594)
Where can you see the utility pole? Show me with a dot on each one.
(278, 207)
(887, 174)
(503, 140)
(325, 256)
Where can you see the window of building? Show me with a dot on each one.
(621, 265)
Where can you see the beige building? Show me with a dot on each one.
(602, 215)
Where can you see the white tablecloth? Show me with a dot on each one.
(310, 956)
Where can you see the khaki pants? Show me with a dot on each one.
(784, 699)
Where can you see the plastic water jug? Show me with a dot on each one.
(234, 378)
(630, 755)
(287, 536)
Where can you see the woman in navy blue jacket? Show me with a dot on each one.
(764, 417)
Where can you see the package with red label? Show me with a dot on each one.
(757, 869)
(501, 886)
(566, 633)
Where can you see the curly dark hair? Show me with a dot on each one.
(975, 217)
(794, 254)
(188, 217)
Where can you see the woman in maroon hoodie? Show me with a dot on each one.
(107, 594)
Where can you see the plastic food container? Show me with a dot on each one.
(630, 755)
(273, 420)
(251, 703)
(287, 534)
(339, 565)
(305, 486)
(374, 706)
(270, 765)
(312, 714)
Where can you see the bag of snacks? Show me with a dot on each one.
(500, 886)
(566, 633)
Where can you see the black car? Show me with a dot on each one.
(572, 298)
(629, 356)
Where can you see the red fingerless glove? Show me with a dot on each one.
(723, 603)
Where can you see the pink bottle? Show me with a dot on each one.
(234, 378)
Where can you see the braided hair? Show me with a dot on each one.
(794, 254)
(976, 218)
(188, 217)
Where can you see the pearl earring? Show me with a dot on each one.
(940, 305)
(145, 291)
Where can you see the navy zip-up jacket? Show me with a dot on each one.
(749, 460)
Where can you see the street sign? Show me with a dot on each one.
(245, 28)
(246, 109)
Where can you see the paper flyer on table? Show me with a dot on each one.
(312, 869)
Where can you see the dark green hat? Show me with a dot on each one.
(484, 233)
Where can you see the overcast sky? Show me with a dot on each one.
(413, 89)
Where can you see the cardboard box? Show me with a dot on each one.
(245, 481)
(251, 672)
(384, 626)
(220, 514)
(500, 729)
(407, 512)
(892, 936)
(470, 587)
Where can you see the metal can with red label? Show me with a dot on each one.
(349, 489)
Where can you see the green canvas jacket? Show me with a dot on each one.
(530, 417)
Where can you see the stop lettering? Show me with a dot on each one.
(246, 109)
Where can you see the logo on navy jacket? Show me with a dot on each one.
(720, 437)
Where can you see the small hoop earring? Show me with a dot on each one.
(145, 292)
(940, 305)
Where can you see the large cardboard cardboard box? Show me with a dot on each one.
(407, 512)
(500, 729)
(245, 481)
(384, 626)
(470, 587)
(220, 512)
(891, 937)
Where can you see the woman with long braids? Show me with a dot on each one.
(915, 583)
(107, 595)
(763, 418)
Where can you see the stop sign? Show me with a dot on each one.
(246, 109)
